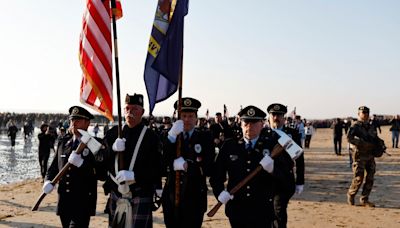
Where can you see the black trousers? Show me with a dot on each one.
(337, 141)
(43, 161)
(13, 140)
(307, 141)
(76, 221)
(280, 206)
(184, 218)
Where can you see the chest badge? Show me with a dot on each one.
(197, 148)
(85, 152)
(266, 152)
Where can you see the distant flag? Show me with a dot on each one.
(292, 114)
(226, 114)
(95, 56)
(164, 58)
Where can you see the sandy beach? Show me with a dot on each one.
(322, 204)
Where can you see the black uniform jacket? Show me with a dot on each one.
(199, 154)
(77, 189)
(147, 168)
(254, 200)
(45, 143)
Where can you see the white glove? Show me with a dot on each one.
(267, 163)
(179, 164)
(224, 197)
(47, 187)
(159, 192)
(125, 176)
(75, 159)
(299, 189)
(119, 145)
(85, 138)
(176, 129)
(123, 189)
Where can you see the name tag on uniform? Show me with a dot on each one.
(63, 155)
(233, 157)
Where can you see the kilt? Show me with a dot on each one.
(141, 210)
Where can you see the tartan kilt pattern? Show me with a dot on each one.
(141, 210)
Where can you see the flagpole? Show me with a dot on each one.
(179, 140)
(114, 24)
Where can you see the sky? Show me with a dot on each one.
(324, 57)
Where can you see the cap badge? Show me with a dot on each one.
(75, 110)
(276, 107)
(251, 112)
(187, 102)
(197, 148)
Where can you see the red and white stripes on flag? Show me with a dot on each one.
(95, 55)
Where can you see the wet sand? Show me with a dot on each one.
(322, 204)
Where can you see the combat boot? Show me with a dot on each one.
(350, 199)
(367, 203)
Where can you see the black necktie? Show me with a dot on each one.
(186, 142)
(249, 147)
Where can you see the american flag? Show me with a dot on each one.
(95, 56)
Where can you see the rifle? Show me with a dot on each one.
(92, 144)
(278, 149)
(58, 177)
(285, 143)
(372, 143)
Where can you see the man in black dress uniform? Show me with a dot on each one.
(252, 206)
(140, 173)
(45, 144)
(219, 129)
(77, 191)
(194, 164)
(286, 189)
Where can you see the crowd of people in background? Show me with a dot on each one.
(205, 139)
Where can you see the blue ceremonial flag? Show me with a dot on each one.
(164, 59)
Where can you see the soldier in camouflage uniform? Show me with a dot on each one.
(360, 137)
